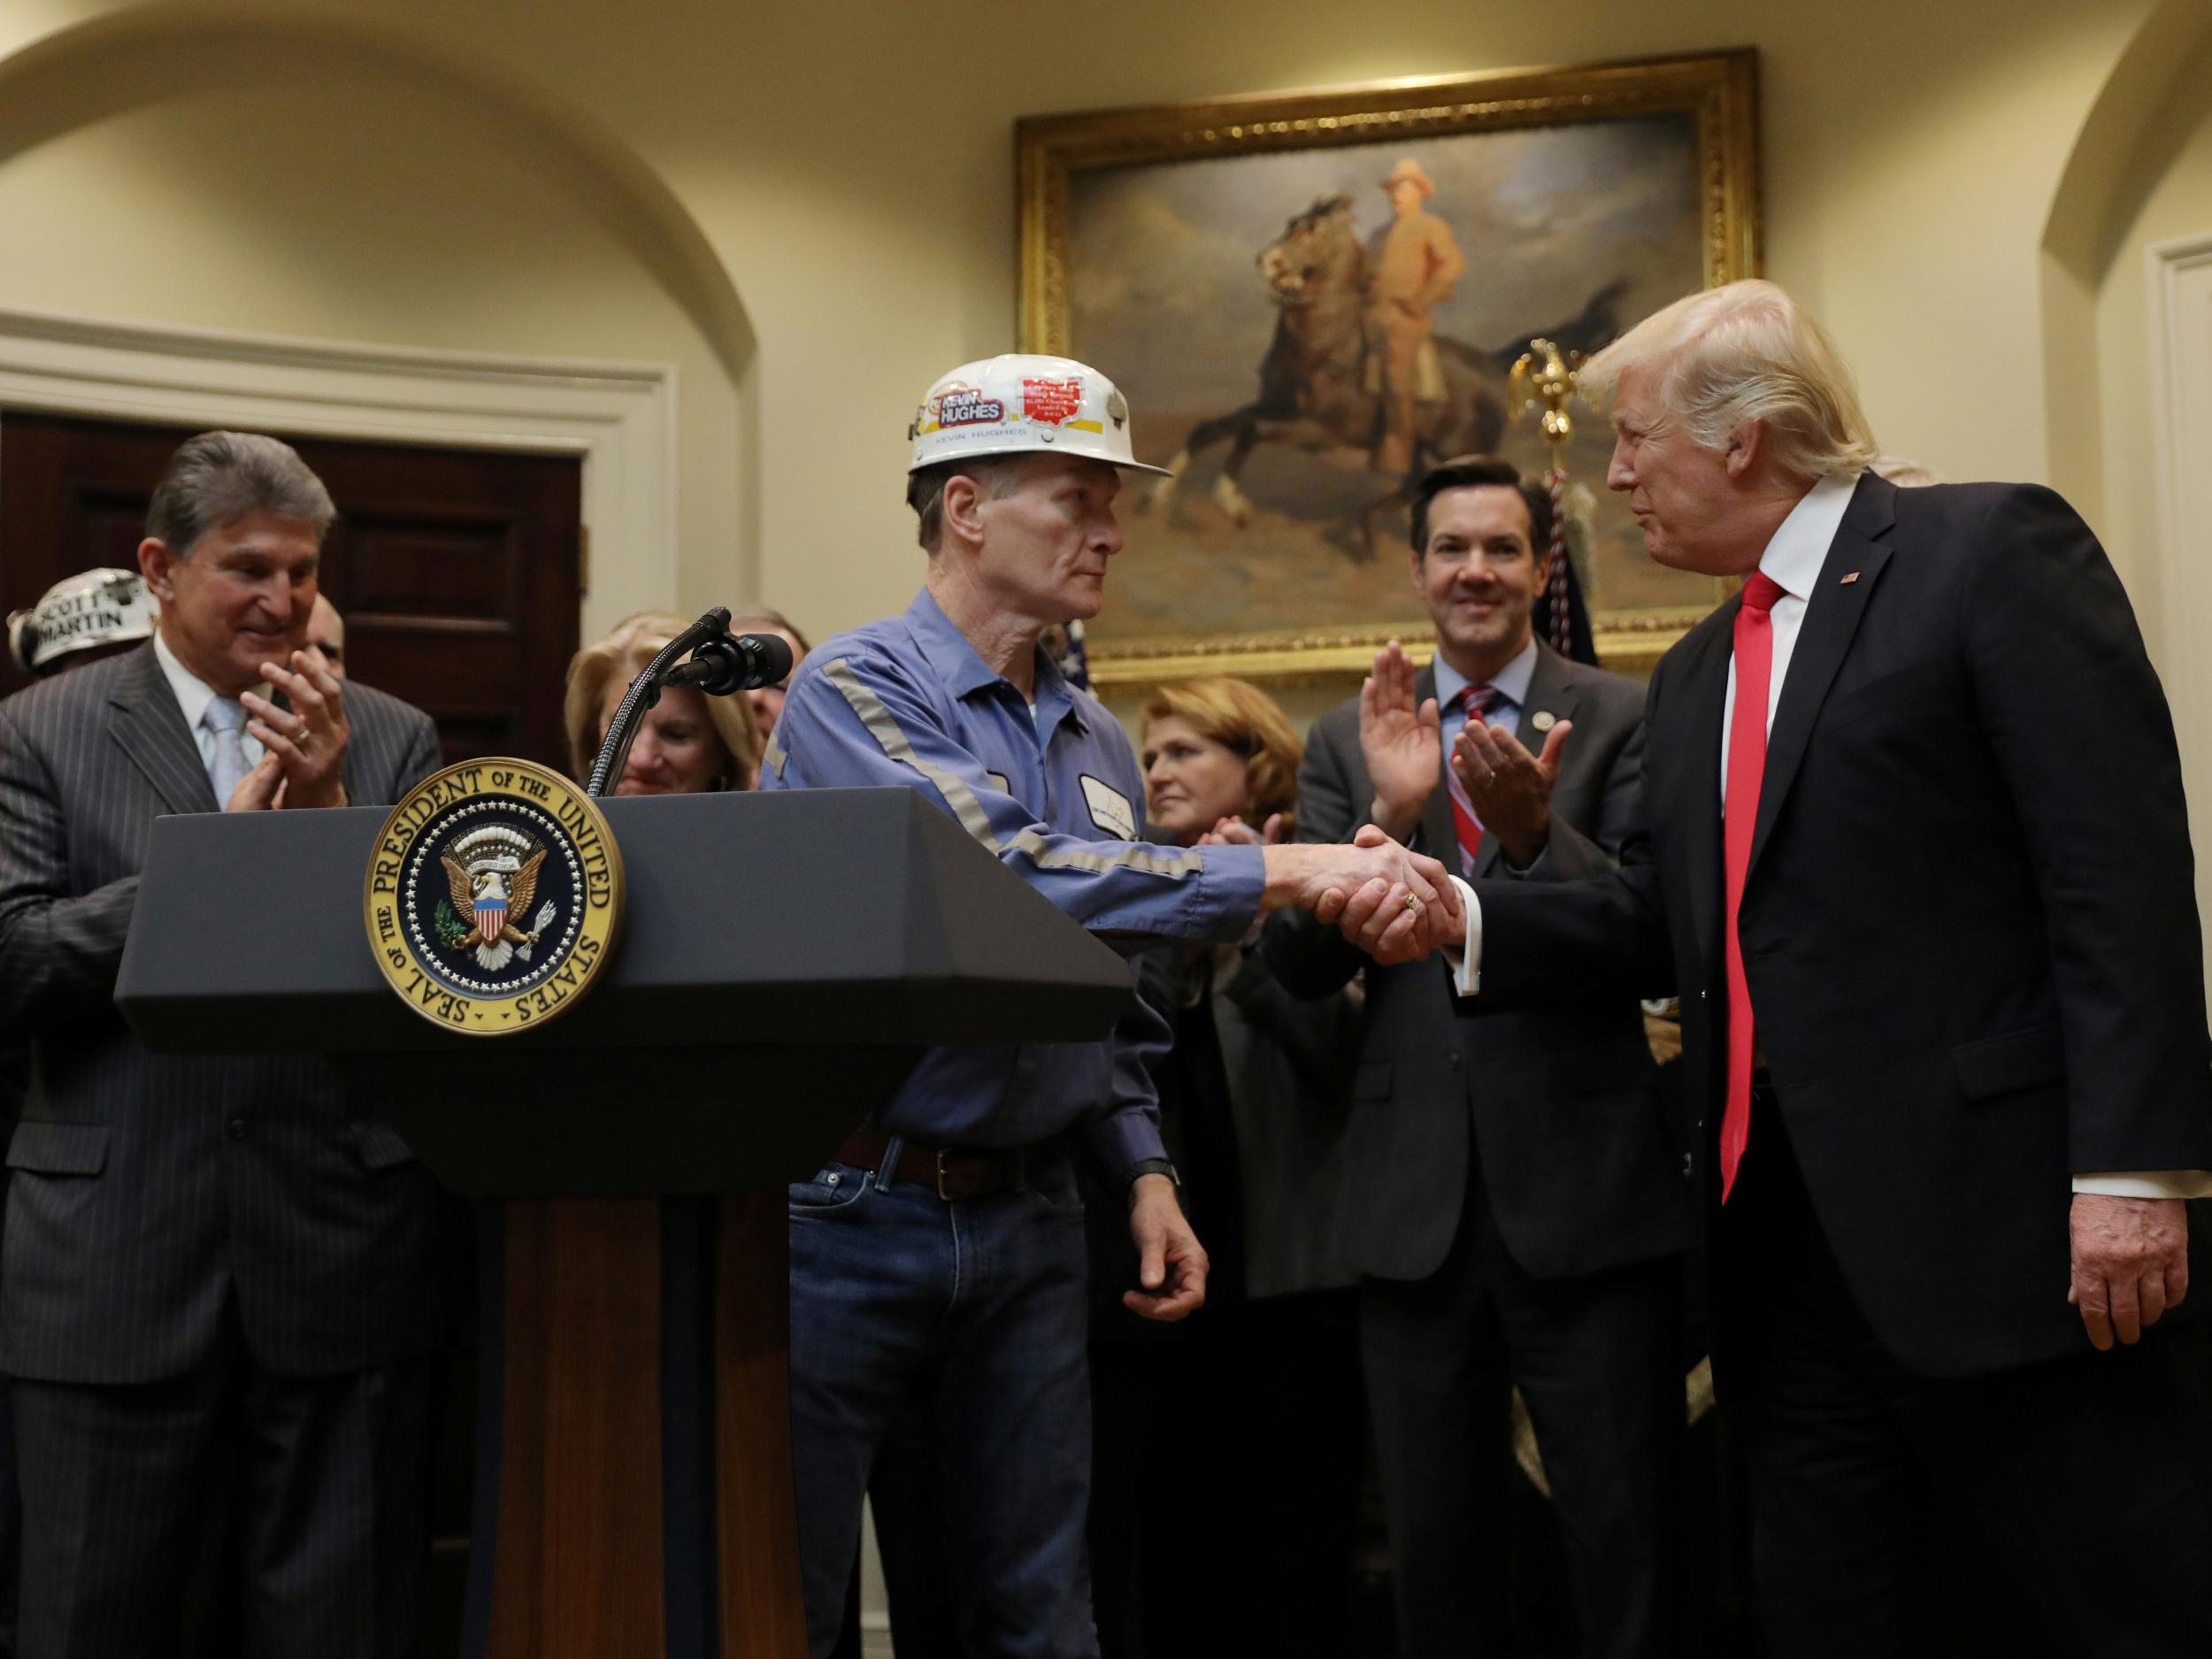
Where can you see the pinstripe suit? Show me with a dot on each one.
(224, 1235)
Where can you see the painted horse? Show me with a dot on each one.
(1320, 386)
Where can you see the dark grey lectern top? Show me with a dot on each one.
(782, 959)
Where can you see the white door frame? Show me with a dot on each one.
(620, 418)
(2179, 274)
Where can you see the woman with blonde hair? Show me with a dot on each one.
(1255, 1100)
(1218, 743)
(687, 744)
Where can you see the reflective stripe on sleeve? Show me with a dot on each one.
(1095, 857)
(771, 758)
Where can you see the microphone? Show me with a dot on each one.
(734, 662)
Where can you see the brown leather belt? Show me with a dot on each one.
(949, 1172)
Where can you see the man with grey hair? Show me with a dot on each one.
(220, 1274)
(1918, 863)
(939, 1256)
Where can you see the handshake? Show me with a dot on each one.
(1395, 904)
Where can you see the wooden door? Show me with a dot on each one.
(458, 572)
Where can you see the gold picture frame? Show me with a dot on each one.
(1705, 104)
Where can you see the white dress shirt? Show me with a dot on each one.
(1793, 561)
(193, 696)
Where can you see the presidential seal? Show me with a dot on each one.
(493, 896)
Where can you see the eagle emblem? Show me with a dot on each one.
(493, 875)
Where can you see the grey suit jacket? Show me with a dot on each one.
(1580, 1160)
(150, 1191)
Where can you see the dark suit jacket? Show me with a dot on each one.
(148, 1190)
(1969, 928)
(1288, 1067)
(1582, 1168)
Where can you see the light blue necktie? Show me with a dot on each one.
(225, 717)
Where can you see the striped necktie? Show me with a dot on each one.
(225, 718)
(1476, 700)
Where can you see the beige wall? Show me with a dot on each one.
(2167, 197)
(2170, 187)
(264, 208)
(409, 173)
(849, 165)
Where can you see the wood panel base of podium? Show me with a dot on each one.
(634, 1484)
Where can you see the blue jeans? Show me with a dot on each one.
(977, 1309)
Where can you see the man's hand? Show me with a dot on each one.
(1378, 921)
(260, 789)
(310, 739)
(1170, 1262)
(1401, 743)
(1407, 905)
(1508, 788)
(2130, 1263)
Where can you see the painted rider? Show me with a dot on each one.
(1415, 271)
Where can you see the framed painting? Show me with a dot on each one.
(1308, 297)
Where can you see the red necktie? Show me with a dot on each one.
(1747, 765)
(1476, 700)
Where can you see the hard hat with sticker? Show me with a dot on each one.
(1020, 404)
(93, 608)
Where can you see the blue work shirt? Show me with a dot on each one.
(1055, 794)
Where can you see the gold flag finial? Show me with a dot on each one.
(1545, 378)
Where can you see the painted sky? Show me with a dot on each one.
(1165, 294)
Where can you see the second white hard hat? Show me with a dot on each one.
(1020, 404)
(94, 607)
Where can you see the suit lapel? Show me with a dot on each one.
(151, 728)
(1832, 612)
(1706, 690)
(1439, 839)
(1551, 691)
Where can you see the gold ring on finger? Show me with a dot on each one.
(1413, 904)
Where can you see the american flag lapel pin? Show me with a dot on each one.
(1848, 580)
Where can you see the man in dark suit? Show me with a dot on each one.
(218, 1272)
(1919, 864)
(81, 620)
(1513, 1194)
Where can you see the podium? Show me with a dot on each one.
(782, 961)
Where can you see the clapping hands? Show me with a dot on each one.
(1234, 832)
(308, 740)
(1509, 789)
(1399, 741)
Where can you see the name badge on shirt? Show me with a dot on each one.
(1110, 809)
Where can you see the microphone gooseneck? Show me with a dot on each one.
(734, 662)
(644, 692)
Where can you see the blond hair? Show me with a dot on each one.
(1746, 351)
(1248, 722)
(619, 658)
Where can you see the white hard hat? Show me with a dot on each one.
(93, 607)
(1019, 404)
